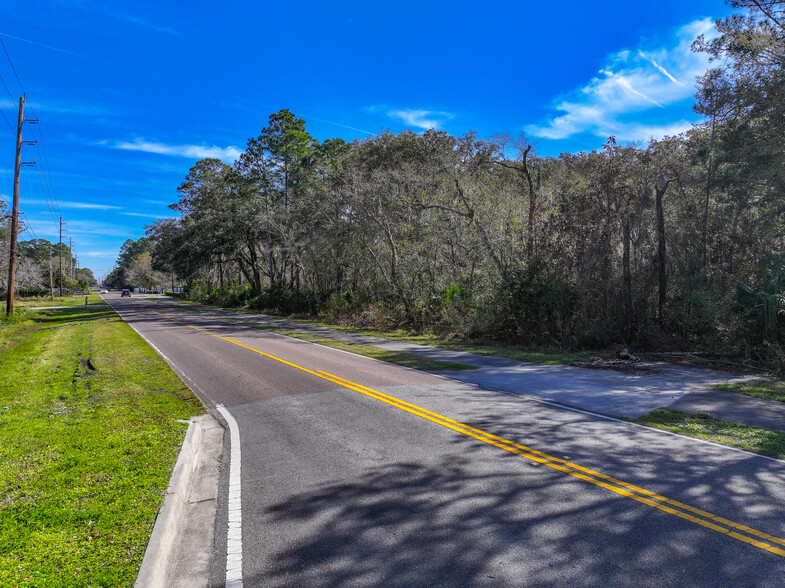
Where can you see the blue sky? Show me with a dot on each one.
(130, 94)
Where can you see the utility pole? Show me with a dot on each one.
(61, 256)
(70, 259)
(9, 306)
(51, 285)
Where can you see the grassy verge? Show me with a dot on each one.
(85, 454)
(479, 347)
(768, 388)
(706, 427)
(552, 357)
(77, 300)
(409, 360)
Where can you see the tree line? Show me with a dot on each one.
(38, 264)
(676, 245)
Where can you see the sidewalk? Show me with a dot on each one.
(605, 392)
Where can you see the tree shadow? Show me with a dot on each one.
(446, 524)
(72, 314)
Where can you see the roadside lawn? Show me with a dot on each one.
(89, 434)
(67, 300)
(770, 388)
(706, 427)
(409, 360)
(548, 357)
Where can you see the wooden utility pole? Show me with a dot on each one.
(61, 256)
(9, 307)
(51, 285)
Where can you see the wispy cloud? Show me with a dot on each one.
(147, 25)
(661, 69)
(89, 229)
(642, 83)
(59, 107)
(142, 214)
(190, 151)
(644, 131)
(99, 253)
(421, 119)
(78, 205)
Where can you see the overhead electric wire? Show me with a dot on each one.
(47, 185)
(29, 226)
(10, 126)
(8, 91)
(11, 63)
(41, 146)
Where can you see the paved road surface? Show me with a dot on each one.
(359, 473)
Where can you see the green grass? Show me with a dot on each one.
(410, 360)
(85, 455)
(551, 357)
(707, 427)
(77, 300)
(768, 388)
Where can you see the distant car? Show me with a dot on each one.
(104, 291)
(125, 293)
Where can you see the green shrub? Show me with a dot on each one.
(32, 291)
(287, 301)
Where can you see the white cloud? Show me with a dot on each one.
(148, 25)
(90, 229)
(59, 107)
(644, 131)
(79, 205)
(190, 151)
(422, 119)
(98, 254)
(142, 214)
(643, 82)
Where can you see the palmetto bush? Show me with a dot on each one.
(762, 312)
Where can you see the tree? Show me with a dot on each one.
(278, 164)
(129, 252)
(522, 148)
(140, 272)
(746, 94)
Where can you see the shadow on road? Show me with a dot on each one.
(445, 525)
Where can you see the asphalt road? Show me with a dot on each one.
(360, 473)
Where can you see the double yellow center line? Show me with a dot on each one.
(689, 513)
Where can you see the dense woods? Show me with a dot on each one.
(676, 245)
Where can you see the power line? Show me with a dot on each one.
(11, 63)
(41, 146)
(29, 227)
(7, 89)
(47, 185)
(8, 122)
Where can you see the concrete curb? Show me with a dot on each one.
(180, 547)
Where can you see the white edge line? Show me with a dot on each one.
(234, 533)
(234, 538)
(186, 380)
